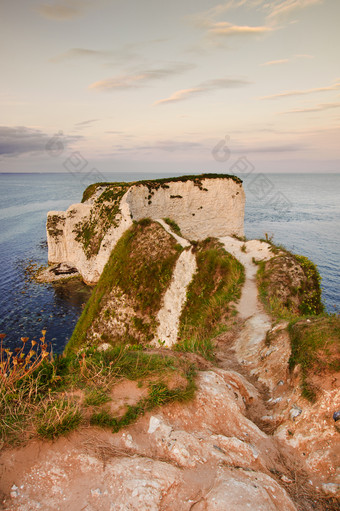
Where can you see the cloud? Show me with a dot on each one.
(170, 146)
(318, 108)
(303, 56)
(210, 85)
(286, 60)
(18, 140)
(74, 53)
(62, 10)
(281, 10)
(274, 62)
(86, 123)
(129, 81)
(82, 125)
(303, 92)
(181, 95)
(273, 12)
(285, 148)
(225, 29)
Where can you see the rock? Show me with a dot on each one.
(64, 269)
(14, 492)
(286, 479)
(217, 205)
(336, 416)
(96, 492)
(104, 346)
(295, 411)
(331, 488)
(173, 301)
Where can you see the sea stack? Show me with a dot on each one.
(85, 234)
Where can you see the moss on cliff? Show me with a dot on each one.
(289, 286)
(124, 303)
(104, 214)
(154, 184)
(105, 211)
(316, 348)
(54, 222)
(217, 282)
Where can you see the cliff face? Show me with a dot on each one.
(86, 233)
(158, 288)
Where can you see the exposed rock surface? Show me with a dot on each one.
(263, 351)
(248, 440)
(86, 233)
(205, 455)
(175, 296)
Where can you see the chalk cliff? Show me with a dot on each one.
(206, 401)
(86, 233)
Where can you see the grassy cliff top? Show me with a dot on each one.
(159, 183)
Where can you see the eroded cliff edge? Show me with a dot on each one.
(189, 397)
(86, 233)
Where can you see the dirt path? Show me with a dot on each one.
(236, 351)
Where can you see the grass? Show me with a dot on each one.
(174, 227)
(68, 391)
(157, 183)
(216, 283)
(315, 347)
(56, 417)
(103, 215)
(289, 286)
(105, 211)
(159, 395)
(140, 267)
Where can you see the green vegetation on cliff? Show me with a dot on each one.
(104, 214)
(68, 391)
(136, 276)
(207, 312)
(289, 285)
(154, 184)
(316, 348)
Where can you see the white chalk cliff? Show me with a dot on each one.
(86, 233)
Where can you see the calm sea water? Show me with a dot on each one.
(309, 227)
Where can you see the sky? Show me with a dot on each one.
(182, 86)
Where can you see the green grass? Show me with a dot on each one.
(96, 397)
(174, 227)
(217, 282)
(141, 266)
(315, 345)
(69, 391)
(106, 207)
(57, 417)
(157, 183)
(283, 294)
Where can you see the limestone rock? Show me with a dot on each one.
(86, 233)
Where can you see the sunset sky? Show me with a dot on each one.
(155, 86)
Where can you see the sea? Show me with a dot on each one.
(298, 211)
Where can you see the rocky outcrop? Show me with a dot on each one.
(204, 455)
(86, 233)
(248, 439)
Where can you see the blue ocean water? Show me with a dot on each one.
(309, 226)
